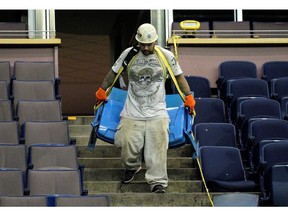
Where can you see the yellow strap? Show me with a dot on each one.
(108, 91)
(204, 182)
(174, 38)
(161, 55)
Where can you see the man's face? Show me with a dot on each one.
(147, 49)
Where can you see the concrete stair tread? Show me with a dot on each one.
(149, 199)
(179, 186)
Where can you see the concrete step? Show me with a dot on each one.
(114, 174)
(79, 130)
(103, 169)
(196, 199)
(141, 187)
(109, 150)
(81, 120)
(177, 162)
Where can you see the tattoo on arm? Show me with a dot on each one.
(108, 80)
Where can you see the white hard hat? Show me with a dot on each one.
(146, 34)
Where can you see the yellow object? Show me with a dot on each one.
(190, 25)
(161, 55)
(71, 118)
(175, 38)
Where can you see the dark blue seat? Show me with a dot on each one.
(264, 129)
(9, 132)
(6, 110)
(223, 169)
(274, 69)
(55, 181)
(252, 109)
(29, 70)
(279, 88)
(4, 91)
(100, 200)
(215, 134)
(12, 182)
(239, 89)
(273, 173)
(279, 185)
(200, 86)
(284, 107)
(258, 151)
(234, 70)
(209, 110)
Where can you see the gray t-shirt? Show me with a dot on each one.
(146, 89)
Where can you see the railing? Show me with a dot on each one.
(38, 34)
(231, 33)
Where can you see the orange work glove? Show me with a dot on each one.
(100, 95)
(190, 103)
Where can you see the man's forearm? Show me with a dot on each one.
(183, 85)
(108, 80)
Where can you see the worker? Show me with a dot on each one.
(143, 129)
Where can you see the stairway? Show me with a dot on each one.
(103, 170)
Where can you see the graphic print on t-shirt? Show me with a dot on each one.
(146, 77)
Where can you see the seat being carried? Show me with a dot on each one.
(107, 118)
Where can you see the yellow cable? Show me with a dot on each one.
(174, 38)
(161, 55)
(204, 182)
(108, 91)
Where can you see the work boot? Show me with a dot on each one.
(128, 175)
(158, 189)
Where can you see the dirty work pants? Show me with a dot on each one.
(150, 136)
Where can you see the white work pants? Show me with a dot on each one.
(152, 136)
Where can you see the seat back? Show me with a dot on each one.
(254, 109)
(279, 185)
(46, 110)
(13, 156)
(28, 71)
(23, 201)
(11, 182)
(284, 107)
(45, 132)
(221, 163)
(6, 111)
(274, 153)
(245, 87)
(209, 110)
(279, 88)
(5, 73)
(257, 108)
(4, 92)
(215, 134)
(200, 86)
(267, 129)
(52, 156)
(32, 90)
(274, 69)
(55, 181)
(223, 169)
(259, 153)
(25, 70)
(83, 201)
(9, 132)
(234, 69)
